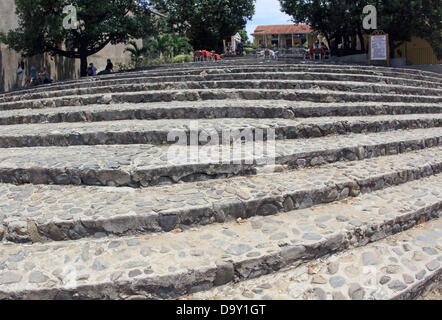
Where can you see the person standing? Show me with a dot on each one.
(20, 72)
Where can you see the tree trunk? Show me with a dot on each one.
(361, 39)
(83, 65)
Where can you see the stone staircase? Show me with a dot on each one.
(343, 200)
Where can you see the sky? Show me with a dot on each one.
(267, 12)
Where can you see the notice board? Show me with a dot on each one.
(379, 49)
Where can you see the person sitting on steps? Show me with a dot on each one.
(109, 68)
(91, 70)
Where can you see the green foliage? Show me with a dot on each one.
(102, 22)
(244, 35)
(430, 29)
(136, 53)
(182, 58)
(168, 45)
(207, 22)
(121, 67)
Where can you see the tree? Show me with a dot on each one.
(401, 19)
(168, 44)
(207, 22)
(160, 45)
(244, 35)
(430, 29)
(335, 19)
(136, 53)
(181, 45)
(101, 22)
(398, 18)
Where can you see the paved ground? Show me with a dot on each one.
(342, 202)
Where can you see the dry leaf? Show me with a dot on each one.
(292, 278)
(178, 230)
(189, 297)
(314, 269)
(240, 221)
(145, 238)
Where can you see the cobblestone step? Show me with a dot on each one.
(174, 264)
(94, 204)
(399, 267)
(159, 132)
(40, 212)
(342, 86)
(138, 84)
(211, 109)
(147, 165)
(226, 69)
(220, 94)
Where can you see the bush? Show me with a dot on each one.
(182, 58)
(122, 67)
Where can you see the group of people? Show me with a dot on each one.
(35, 78)
(268, 54)
(204, 55)
(43, 76)
(92, 71)
(319, 49)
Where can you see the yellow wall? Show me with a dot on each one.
(417, 51)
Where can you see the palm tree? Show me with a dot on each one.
(136, 53)
(161, 45)
(181, 45)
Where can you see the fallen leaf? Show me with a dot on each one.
(178, 230)
(240, 221)
(292, 278)
(314, 269)
(189, 297)
(145, 238)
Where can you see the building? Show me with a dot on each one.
(60, 68)
(283, 36)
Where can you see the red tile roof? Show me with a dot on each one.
(283, 29)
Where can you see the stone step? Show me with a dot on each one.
(158, 132)
(138, 84)
(343, 86)
(225, 69)
(325, 96)
(178, 263)
(211, 109)
(145, 165)
(399, 267)
(40, 212)
(274, 65)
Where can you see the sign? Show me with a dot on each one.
(379, 47)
